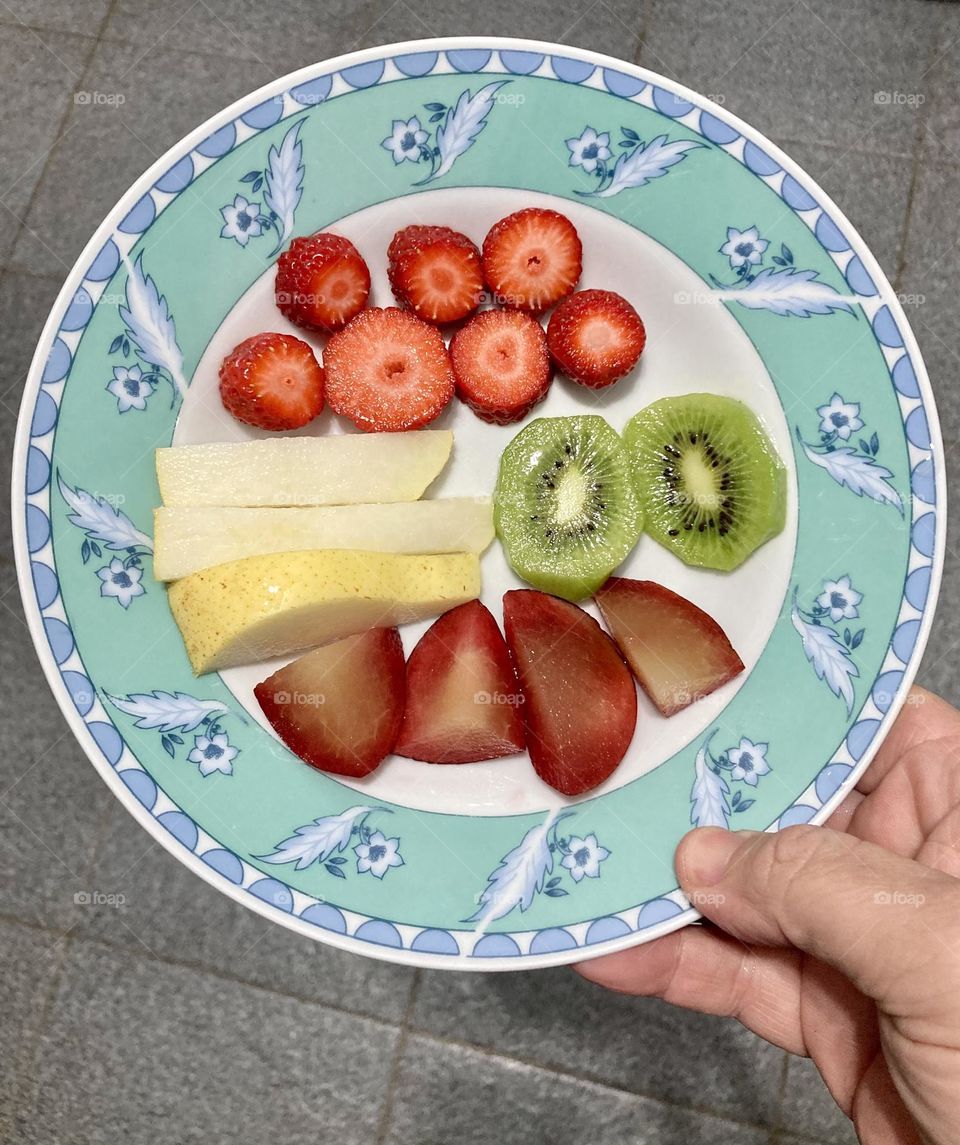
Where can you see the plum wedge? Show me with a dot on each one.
(677, 652)
(580, 706)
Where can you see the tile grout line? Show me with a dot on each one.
(781, 1093)
(393, 1080)
(645, 17)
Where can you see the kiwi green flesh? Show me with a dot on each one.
(710, 483)
(565, 508)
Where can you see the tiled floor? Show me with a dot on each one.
(179, 1016)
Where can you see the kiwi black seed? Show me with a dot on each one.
(565, 508)
(710, 483)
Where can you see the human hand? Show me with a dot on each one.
(841, 943)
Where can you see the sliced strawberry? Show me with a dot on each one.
(322, 282)
(272, 381)
(501, 365)
(678, 653)
(387, 370)
(462, 693)
(532, 259)
(580, 705)
(435, 272)
(340, 707)
(595, 337)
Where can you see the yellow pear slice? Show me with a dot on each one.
(340, 469)
(259, 607)
(192, 537)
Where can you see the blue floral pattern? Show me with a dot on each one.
(636, 164)
(456, 131)
(321, 841)
(713, 797)
(522, 873)
(281, 181)
(172, 713)
(828, 648)
(855, 468)
(782, 288)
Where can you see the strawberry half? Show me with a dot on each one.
(462, 693)
(435, 272)
(532, 259)
(322, 282)
(677, 652)
(580, 705)
(272, 381)
(388, 371)
(595, 337)
(501, 365)
(340, 707)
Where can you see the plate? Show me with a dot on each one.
(751, 283)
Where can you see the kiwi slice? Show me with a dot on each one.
(710, 483)
(565, 508)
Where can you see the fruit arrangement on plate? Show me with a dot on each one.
(322, 546)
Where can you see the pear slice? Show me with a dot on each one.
(192, 537)
(259, 607)
(340, 469)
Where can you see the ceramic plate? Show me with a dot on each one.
(751, 283)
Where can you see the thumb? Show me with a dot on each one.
(889, 924)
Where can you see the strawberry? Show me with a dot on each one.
(501, 365)
(387, 370)
(462, 693)
(340, 707)
(580, 704)
(435, 272)
(677, 652)
(595, 337)
(322, 282)
(531, 259)
(272, 381)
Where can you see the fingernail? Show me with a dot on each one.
(704, 855)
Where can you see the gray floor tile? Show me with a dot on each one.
(801, 69)
(448, 1094)
(172, 913)
(29, 965)
(82, 16)
(555, 1018)
(872, 188)
(808, 1108)
(943, 109)
(139, 1051)
(932, 267)
(51, 800)
(38, 72)
(107, 145)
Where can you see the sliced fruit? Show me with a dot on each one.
(712, 486)
(388, 371)
(272, 381)
(595, 337)
(532, 259)
(341, 469)
(189, 538)
(435, 272)
(564, 507)
(580, 706)
(677, 652)
(339, 708)
(462, 692)
(501, 365)
(322, 282)
(249, 610)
